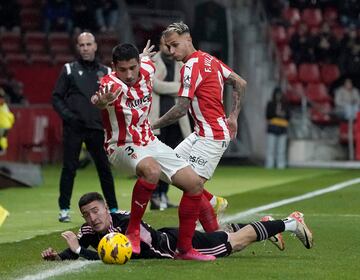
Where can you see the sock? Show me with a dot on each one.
(140, 196)
(188, 214)
(208, 195)
(207, 215)
(266, 229)
(290, 224)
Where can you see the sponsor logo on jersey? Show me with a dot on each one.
(138, 102)
(197, 160)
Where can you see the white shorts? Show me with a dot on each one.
(127, 157)
(202, 153)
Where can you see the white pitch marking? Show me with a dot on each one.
(74, 265)
(308, 195)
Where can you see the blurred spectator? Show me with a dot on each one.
(350, 39)
(326, 46)
(347, 100)
(7, 120)
(83, 14)
(274, 9)
(350, 64)
(302, 45)
(277, 116)
(9, 16)
(107, 14)
(14, 89)
(349, 12)
(210, 29)
(57, 16)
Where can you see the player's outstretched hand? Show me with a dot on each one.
(71, 240)
(50, 255)
(105, 95)
(147, 51)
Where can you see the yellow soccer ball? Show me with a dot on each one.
(114, 248)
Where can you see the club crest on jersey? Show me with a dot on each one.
(80, 72)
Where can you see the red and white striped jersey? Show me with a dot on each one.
(126, 119)
(202, 80)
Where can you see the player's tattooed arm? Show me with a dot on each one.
(175, 113)
(238, 84)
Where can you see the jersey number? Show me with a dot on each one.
(129, 150)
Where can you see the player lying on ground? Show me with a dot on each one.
(162, 243)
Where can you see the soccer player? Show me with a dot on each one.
(202, 85)
(125, 97)
(162, 243)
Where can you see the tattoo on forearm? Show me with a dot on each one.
(238, 93)
(176, 112)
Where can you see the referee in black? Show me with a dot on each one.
(77, 82)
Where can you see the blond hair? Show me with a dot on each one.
(177, 27)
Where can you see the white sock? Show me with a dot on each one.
(213, 200)
(290, 224)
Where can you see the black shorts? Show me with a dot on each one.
(215, 243)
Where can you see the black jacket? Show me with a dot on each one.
(78, 81)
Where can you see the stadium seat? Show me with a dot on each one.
(10, 42)
(294, 93)
(16, 59)
(61, 58)
(278, 34)
(30, 19)
(60, 42)
(339, 32)
(329, 73)
(35, 42)
(38, 58)
(312, 17)
(317, 92)
(330, 15)
(344, 132)
(284, 52)
(290, 72)
(26, 3)
(309, 73)
(320, 113)
(106, 43)
(291, 15)
(290, 31)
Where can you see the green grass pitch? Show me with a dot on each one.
(333, 217)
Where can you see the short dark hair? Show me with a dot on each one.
(90, 197)
(125, 52)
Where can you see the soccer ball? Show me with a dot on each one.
(114, 248)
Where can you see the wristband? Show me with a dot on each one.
(78, 250)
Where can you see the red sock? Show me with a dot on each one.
(208, 195)
(207, 215)
(188, 214)
(140, 197)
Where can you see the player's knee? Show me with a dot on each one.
(151, 173)
(196, 185)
